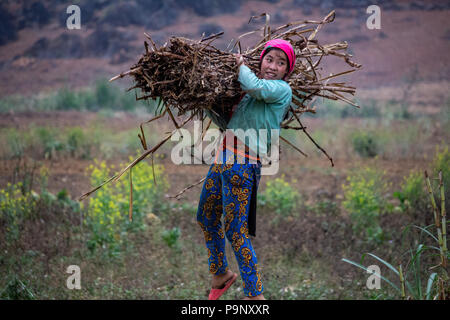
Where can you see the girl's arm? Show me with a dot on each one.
(270, 91)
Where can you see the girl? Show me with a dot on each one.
(231, 185)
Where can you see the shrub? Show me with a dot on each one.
(107, 212)
(15, 143)
(280, 197)
(364, 199)
(66, 99)
(365, 144)
(76, 143)
(19, 202)
(171, 236)
(369, 109)
(75, 137)
(106, 94)
(49, 141)
(15, 206)
(417, 268)
(412, 196)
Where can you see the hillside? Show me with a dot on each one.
(38, 53)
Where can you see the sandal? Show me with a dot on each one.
(217, 293)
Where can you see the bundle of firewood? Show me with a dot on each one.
(190, 75)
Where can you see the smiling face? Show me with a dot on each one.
(274, 65)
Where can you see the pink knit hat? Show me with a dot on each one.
(283, 45)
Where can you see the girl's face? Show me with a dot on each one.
(274, 65)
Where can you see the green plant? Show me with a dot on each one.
(49, 141)
(366, 144)
(441, 163)
(16, 290)
(66, 99)
(280, 196)
(364, 199)
(171, 237)
(75, 137)
(106, 94)
(16, 143)
(107, 212)
(64, 199)
(325, 207)
(411, 277)
(19, 202)
(15, 206)
(412, 196)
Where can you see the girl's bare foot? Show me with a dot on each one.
(218, 281)
(258, 297)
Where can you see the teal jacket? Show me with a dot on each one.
(263, 107)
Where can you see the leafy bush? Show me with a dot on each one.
(171, 236)
(413, 197)
(77, 145)
(417, 279)
(19, 202)
(364, 199)
(15, 143)
(280, 196)
(49, 141)
(15, 206)
(75, 137)
(66, 99)
(106, 94)
(369, 109)
(365, 144)
(107, 212)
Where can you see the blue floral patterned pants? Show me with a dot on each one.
(226, 191)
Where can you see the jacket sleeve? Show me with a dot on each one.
(270, 91)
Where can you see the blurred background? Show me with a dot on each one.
(64, 129)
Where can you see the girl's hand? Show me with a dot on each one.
(239, 59)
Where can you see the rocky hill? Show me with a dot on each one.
(38, 52)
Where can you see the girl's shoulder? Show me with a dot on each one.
(284, 85)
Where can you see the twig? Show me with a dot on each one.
(185, 189)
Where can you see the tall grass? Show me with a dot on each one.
(76, 142)
(414, 279)
(102, 95)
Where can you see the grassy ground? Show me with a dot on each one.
(300, 241)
